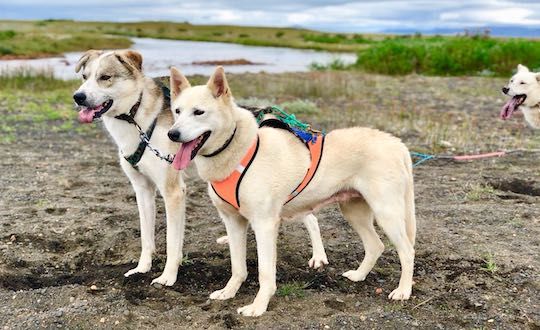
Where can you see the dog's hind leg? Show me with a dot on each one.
(360, 216)
(174, 195)
(389, 209)
(319, 257)
(236, 227)
(145, 192)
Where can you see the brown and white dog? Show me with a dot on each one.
(114, 85)
(368, 172)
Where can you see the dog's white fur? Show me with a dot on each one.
(367, 171)
(525, 82)
(124, 89)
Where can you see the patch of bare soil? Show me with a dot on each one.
(69, 230)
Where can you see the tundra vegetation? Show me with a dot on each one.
(467, 54)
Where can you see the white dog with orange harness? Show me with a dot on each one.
(368, 172)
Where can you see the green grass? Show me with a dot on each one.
(292, 289)
(490, 265)
(31, 79)
(300, 107)
(41, 38)
(19, 42)
(335, 64)
(479, 191)
(449, 56)
(186, 260)
(35, 100)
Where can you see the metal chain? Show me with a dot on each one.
(145, 139)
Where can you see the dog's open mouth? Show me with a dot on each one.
(188, 151)
(512, 105)
(87, 114)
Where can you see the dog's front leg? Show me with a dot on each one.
(266, 231)
(145, 192)
(236, 226)
(174, 195)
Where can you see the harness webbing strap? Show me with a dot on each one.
(315, 151)
(228, 189)
(136, 156)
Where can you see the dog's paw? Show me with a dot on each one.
(223, 240)
(223, 294)
(318, 261)
(354, 275)
(400, 294)
(141, 268)
(252, 310)
(165, 279)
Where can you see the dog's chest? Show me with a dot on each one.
(124, 135)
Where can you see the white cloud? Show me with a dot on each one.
(512, 16)
(337, 15)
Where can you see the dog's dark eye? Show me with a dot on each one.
(105, 77)
(522, 83)
(198, 112)
(177, 110)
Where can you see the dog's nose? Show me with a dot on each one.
(505, 90)
(174, 135)
(79, 98)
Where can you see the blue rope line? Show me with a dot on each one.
(423, 158)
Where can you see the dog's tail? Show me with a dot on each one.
(410, 213)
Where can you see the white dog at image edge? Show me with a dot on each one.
(524, 88)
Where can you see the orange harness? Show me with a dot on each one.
(228, 189)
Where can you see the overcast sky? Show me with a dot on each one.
(332, 15)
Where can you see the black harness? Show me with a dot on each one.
(136, 156)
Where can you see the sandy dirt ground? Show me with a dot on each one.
(69, 230)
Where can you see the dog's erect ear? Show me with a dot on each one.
(178, 82)
(87, 57)
(218, 83)
(522, 68)
(131, 59)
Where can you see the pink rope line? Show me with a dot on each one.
(480, 156)
(426, 157)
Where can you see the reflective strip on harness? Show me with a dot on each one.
(228, 189)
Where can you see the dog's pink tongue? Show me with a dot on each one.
(87, 115)
(508, 108)
(183, 156)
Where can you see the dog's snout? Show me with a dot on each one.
(174, 135)
(79, 98)
(505, 90)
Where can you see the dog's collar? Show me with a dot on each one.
(130, 118)
(223, 147)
